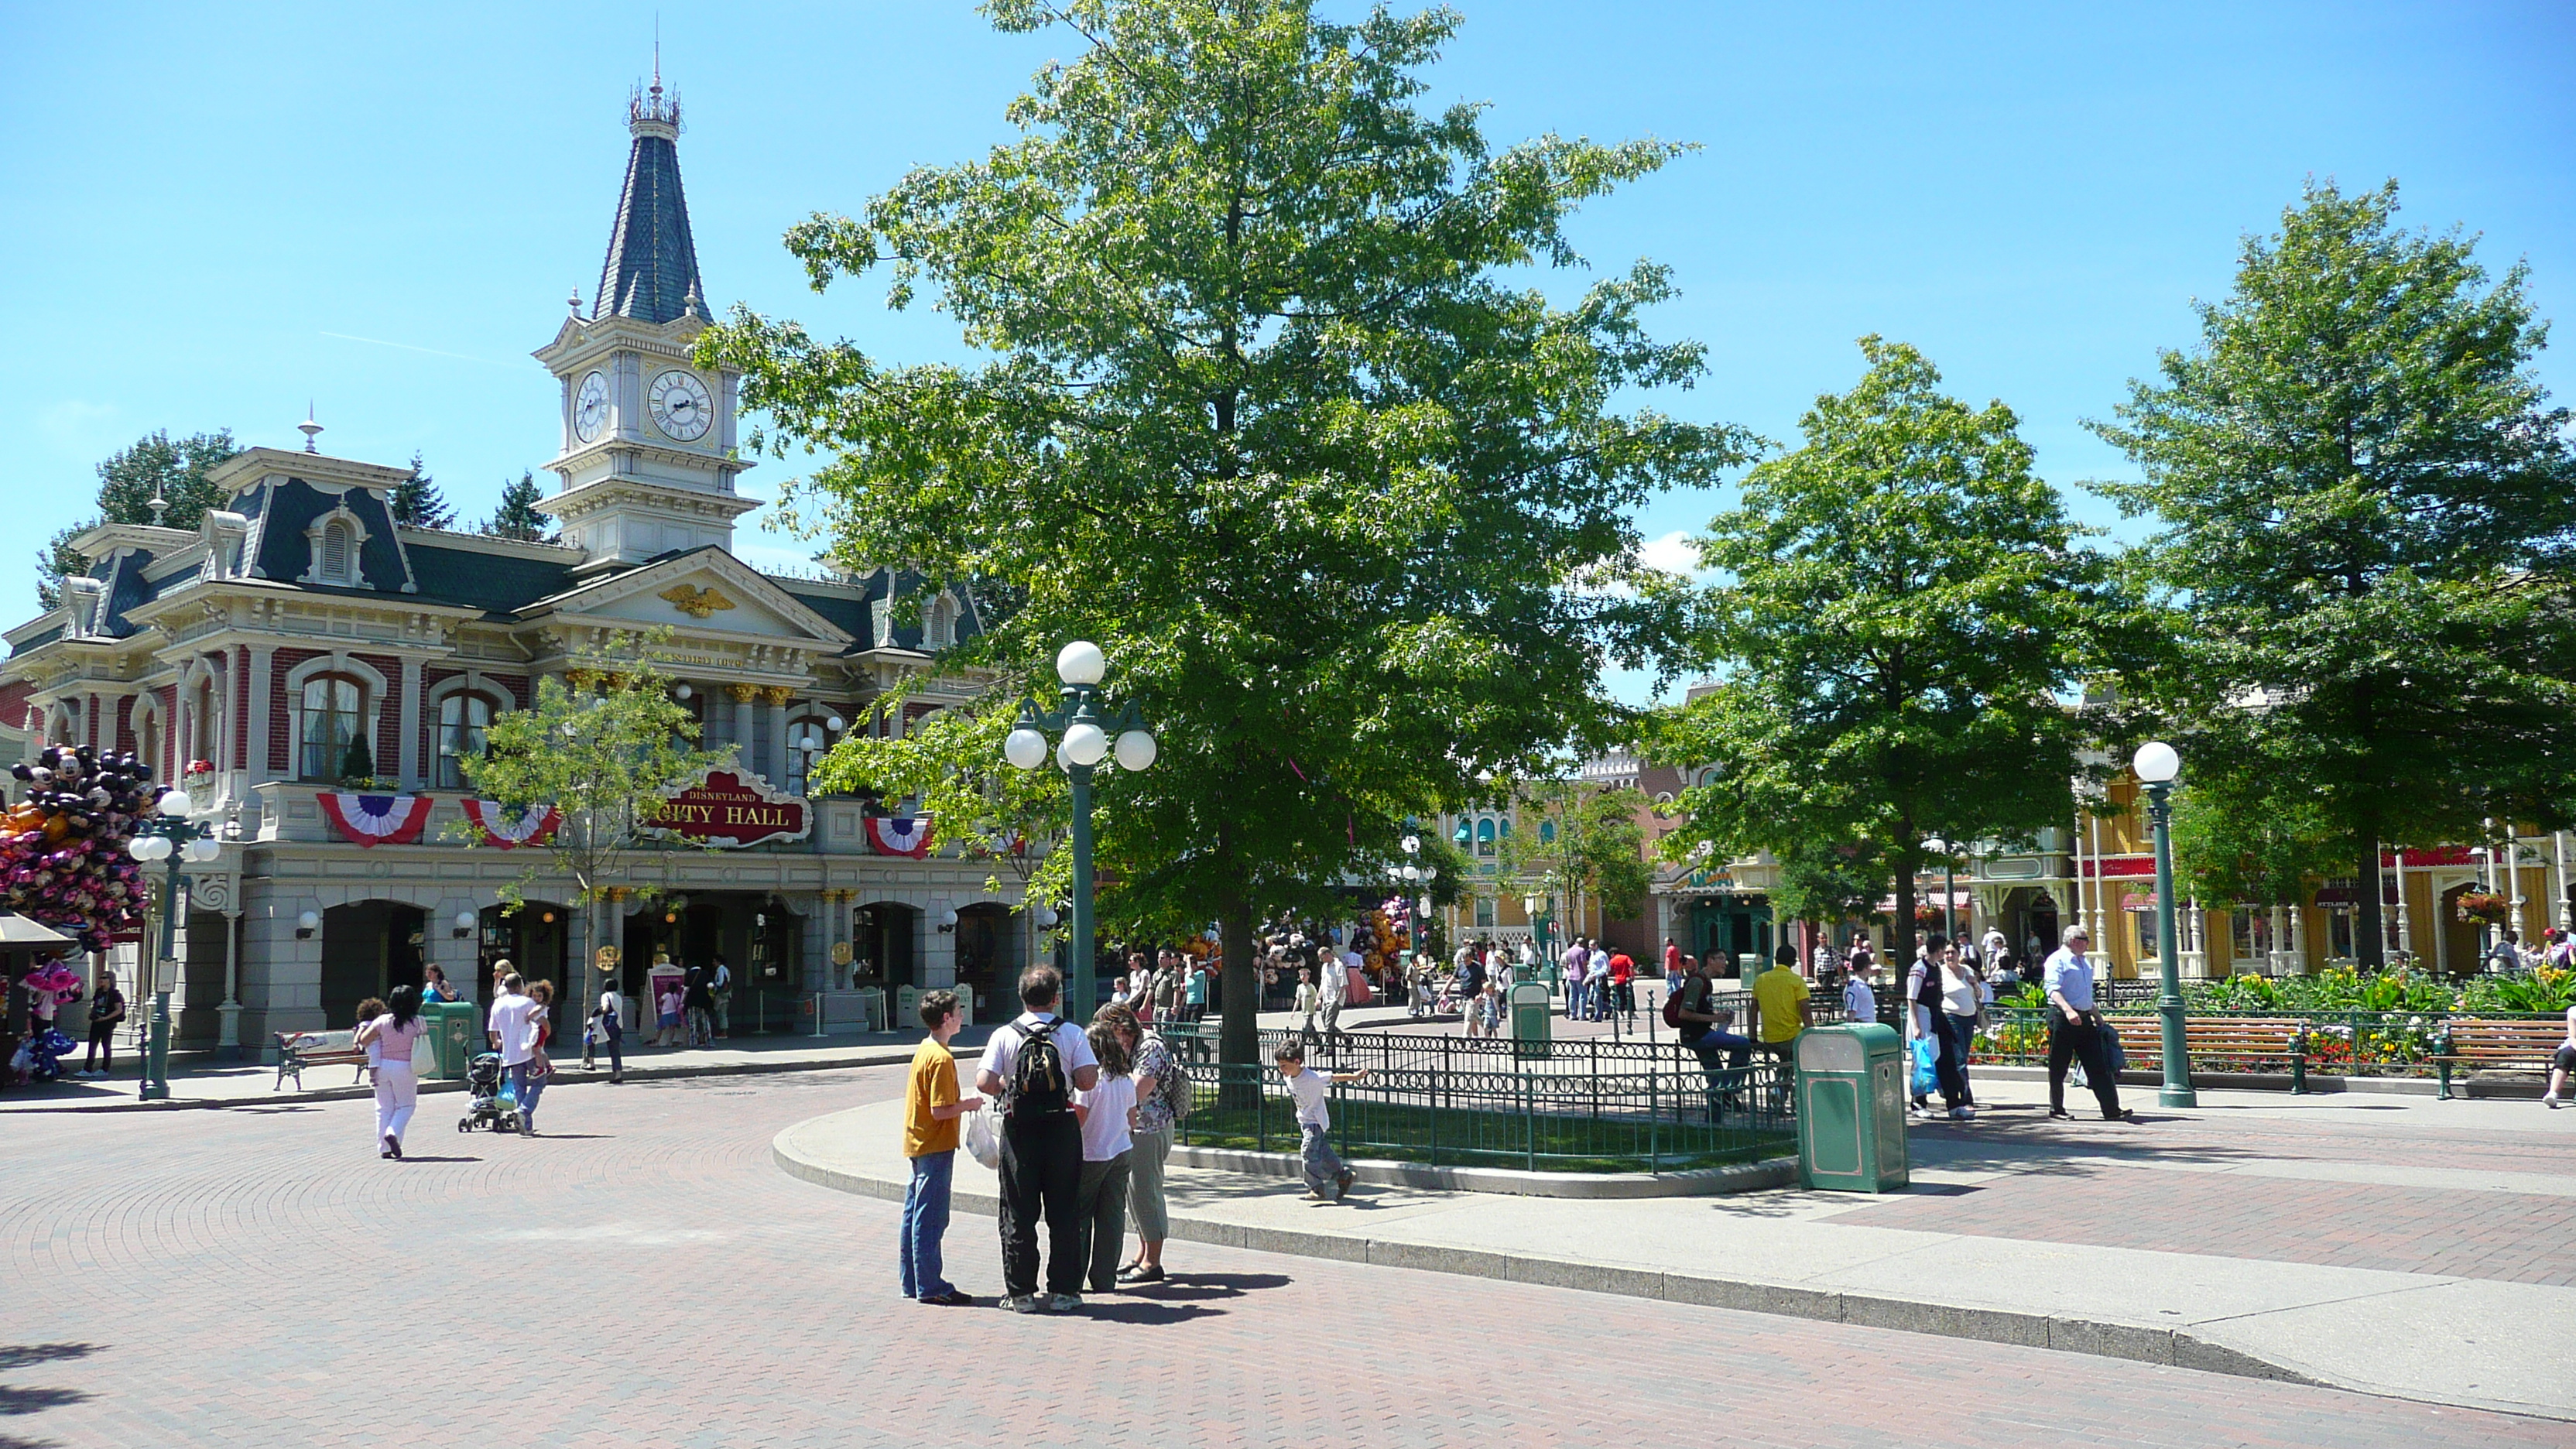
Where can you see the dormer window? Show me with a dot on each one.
(336, 538)
(939, 629)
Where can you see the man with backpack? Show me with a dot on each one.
(1031, 1068)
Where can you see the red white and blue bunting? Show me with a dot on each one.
(899, 835)
(373, 820)
(533, 827)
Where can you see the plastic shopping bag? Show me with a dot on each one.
(1926, 1078)
(984, 1137)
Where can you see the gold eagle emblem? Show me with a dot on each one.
(695, 602)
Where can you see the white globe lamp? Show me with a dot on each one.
(1081, 662)
(1085, 744)
(175, 803)
(1025, 748)
(1135, 750)
(2156, 763)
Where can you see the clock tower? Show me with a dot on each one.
(647, 462)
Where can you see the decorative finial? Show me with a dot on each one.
(694, 304)
(574, 301)
(159, 504)
(309, 428)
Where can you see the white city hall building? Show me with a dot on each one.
(301, 615)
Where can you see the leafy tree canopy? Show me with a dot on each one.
(1582, 841)
(1264, 415)
(1901, 613)
(2368, 512)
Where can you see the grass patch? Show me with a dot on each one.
(1475, 1137)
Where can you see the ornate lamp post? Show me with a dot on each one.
(1085, 740)
(2156, 765)
(167, 835)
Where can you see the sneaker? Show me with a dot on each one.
(1342, 1184)
(1025, 1303)
(1064, 1303)
(2549, 1102)
(2060, 1114)
(1139, 1273)
(953, 1298)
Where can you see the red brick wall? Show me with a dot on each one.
(388, 741)
(237, 674)
(18, 705)
(124, 716)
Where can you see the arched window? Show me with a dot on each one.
(1547, 832)
(1484, 837)
(462, 721)
(939, 627)
(807, 740)
(334, 562)
(332, 719)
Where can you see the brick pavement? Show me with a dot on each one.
(649, 1278)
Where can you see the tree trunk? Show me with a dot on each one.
(1239, 1033)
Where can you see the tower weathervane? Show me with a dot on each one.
(309, 428)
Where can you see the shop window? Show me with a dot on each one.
(1484, 912)
(332, 718)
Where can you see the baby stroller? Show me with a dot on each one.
(494, 1105)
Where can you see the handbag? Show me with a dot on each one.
(1926, 1076)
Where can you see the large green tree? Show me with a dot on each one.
(155, 466)
(2368, 513)
(1268, 407)
(517, 516)
(1901, 614)
(416, 502)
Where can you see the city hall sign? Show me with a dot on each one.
(730, 810)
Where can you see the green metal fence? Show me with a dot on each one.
(1454, 1101)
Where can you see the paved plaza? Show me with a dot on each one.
(648, 1275)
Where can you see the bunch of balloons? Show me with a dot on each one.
(63, 860)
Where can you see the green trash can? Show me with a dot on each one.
(1533, 1035)
(1851, 1108)
(455, 1035)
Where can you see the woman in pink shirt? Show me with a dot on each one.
(395, 1035)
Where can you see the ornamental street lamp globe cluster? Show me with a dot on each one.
(168, 834)
(1085, 738)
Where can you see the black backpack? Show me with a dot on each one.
(1039, 1085)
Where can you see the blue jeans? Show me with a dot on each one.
(526, 1089)
(1323, 1165)
(925, 1222)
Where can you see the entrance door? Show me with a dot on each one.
(885, 942)
(368, 948)
(985, 959)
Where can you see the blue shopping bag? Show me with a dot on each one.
(1925, 1077)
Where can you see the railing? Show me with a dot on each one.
(2334, 1043)
(1584, 1106)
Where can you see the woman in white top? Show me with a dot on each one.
(1961, 996)
(391, 1039)
(1108, 1116)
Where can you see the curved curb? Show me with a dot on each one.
(1594, 1186)
(2166, 1347)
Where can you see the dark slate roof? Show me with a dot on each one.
(126, 589)
(494, 583)
(652, 268)
(282, 510)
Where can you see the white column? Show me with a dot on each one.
(2083, 903)
(409, 715)
(2298, 938)
(262, 670)
(2405, 927)
(743, 734)
(2513, 872)
(2558, 849)
(777, 698)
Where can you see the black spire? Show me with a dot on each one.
(652, 268)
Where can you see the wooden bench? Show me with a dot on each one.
(297, 1050)
(2251, 1042)
(2472, 1044)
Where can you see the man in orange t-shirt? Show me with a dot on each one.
(931, 1107)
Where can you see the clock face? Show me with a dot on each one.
(590, 407)
(681, 407)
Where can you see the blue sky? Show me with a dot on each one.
(216, 213)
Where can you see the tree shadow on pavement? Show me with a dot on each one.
(22, 1355)
(14, 1401)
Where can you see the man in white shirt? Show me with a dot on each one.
(2075, 1028)
(1336, 988)
(722, 986)
(1860, 1004)
(1995, 946)
(1041, 1148)
(512, 1030)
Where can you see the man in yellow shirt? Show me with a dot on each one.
(1780, 1003)
(931, 1107)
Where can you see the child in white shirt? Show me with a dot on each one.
(1108, 1116)
(1324, 1168)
